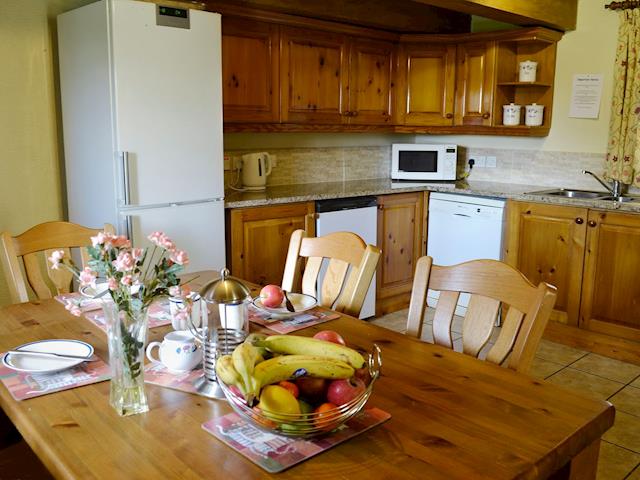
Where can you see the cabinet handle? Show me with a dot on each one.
(486, 115)
(354, 114)
(380, 207)
(579, 221)
(449, 115)
(346, 114)
(592, 223)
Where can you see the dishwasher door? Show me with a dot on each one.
(463, 228)
(357, 215)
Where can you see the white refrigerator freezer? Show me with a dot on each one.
(142, 123)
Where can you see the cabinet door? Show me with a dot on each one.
(427, 84)
(475, 79)
(314, 74)
(259, 239)
(250, 71)
(546, 243)
(400, 238)
(371, 91)
(611, 286)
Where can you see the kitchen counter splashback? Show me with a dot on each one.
(321, 191)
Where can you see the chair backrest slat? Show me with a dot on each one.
(31, 246)
(490, 283)
(443, 318)
(478, 323)
(350, 269)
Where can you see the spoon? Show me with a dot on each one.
(30, 353)
(288, 303)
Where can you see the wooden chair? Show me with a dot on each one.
(341, 289)
(490, 283)
(45, 237)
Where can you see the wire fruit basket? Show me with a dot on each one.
(306, 425)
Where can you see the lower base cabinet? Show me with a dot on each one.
(402, 238)
(591, 256)
(258, 239)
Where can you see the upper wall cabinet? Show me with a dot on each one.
(250, 71)
(426, 80)
(475, 68)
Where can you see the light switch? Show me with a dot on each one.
(480, 160)
(491, 161)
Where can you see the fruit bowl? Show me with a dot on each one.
(309, 424)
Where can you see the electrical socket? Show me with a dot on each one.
(491, 161)
(480, 161)
(237, 163)
(227, 162)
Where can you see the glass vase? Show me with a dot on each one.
(126, 331)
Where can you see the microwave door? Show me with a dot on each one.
(420, 164)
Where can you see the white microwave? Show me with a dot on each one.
(423, 162)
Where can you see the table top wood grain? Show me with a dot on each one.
(452, 417)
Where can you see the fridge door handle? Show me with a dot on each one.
(126, 227)
(126, 185)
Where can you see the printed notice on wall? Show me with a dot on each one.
(585, 95)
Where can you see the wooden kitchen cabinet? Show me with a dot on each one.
(611, 286)
(547, 243)
(259, 239)
(250, 71)
(314, 72)
(475, 68)
(426, 79)
(401, 237)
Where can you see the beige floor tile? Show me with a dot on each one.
(607, 368)
(625, 432)
(635, 475)
(585, 384)
(541, 368)
(636, 383)
(615, 463)
(627, 400)
(555, 352)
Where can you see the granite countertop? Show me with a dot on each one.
(280, 194)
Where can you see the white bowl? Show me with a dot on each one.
(301, 303)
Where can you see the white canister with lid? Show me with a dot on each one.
(528, 70)
(533, 115)
(511, 114)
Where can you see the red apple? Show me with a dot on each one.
(330, 336)
(312, 389)
(343, 391)
(271, 296)
(363, 374)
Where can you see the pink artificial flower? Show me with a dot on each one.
(167, 243)
(124, 262)
(137, 253)
(180, 257)
(113, 283)
(155, 237)
(99, 239)
(55, 258)
(120, 241)
(127, 280)
(73, 308)
(186, 290)
(87, 277)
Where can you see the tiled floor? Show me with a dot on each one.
(587, 373)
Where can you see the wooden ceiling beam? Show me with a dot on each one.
(557, 14)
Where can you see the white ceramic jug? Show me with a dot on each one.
(256, 167)
(533, 115)
(511, 114)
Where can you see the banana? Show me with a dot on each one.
(286, 367)
(228, 373)
(297, 345)
(254, 338)
(245, 356)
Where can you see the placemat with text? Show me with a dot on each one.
(157, 374)
(22, 385)
(276, 453)
(86, 304)
(306, 319)
(159, 315)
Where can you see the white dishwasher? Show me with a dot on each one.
(358, 215)
(463, 228)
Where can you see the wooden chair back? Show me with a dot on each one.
(490, 283)
(351, 266)
(45, 238)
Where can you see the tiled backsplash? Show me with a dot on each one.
(334, 164)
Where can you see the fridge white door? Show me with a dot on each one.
(168, 104)
(196, 228)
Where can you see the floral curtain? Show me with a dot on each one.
(623, 153)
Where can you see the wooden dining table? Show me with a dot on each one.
(452, 417)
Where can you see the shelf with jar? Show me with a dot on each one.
(524, 81)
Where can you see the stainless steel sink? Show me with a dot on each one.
(561, 192)
(585, 194)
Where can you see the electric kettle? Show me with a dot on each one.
(255, 169)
